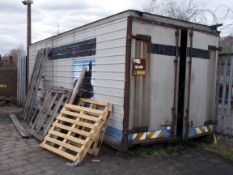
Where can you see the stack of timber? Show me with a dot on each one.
(33, 88)
(53, 103)
(78, 129)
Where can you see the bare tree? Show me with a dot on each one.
(151, 6)
(187, 10)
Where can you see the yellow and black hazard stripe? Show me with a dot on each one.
(147, 135)
(203, 130)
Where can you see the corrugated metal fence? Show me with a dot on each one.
(224, 100)
(21, 77)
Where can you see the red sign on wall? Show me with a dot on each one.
(139, 67)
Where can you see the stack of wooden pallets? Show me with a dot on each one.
(78, 129)
(29, 106)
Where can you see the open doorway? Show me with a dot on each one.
(181, 90)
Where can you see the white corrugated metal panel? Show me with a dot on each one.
(202, 80)
(161, 75)
(109, 73)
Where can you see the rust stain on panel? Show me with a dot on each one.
(140, 89)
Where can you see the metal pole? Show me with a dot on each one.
(28, 4)
(28, 26)
(28, 41)
(189, 85)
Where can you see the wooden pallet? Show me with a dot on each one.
(96, 145)
(77, 128)
(53, 103)
(34, 84)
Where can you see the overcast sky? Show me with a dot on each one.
(52, 16)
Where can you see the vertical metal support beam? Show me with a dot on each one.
(127, 85)
(174, 110)
(28, 41)
(189, 85)
(28, 3)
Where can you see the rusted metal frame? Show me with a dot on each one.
(226, 54)
(229, 88)
(173, 26)
(145, 38)
(125, 145)
(189, 85)
(214, 48)
(141, 129)
(175, 84)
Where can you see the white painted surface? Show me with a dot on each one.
(110, 64)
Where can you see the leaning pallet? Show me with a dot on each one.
(34, 84)
(77, 129)
(55, 99)
(95, 147)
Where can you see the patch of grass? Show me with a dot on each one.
(166, 149)
(219, 149)
(158, 150)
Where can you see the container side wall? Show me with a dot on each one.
(108, 73)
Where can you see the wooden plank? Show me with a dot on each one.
(65, 145)
(92, 101)
(77, 86)
(71, 138)
(83, 116)
(81, 108)
(79, 123)
(57, 151)
(23, 133)
(75, 130)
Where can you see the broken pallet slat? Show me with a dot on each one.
(77, 86)
(22, 131)
(72, 135)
